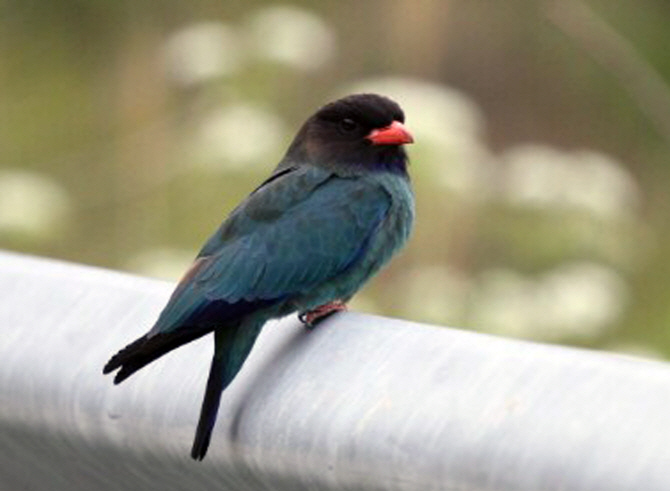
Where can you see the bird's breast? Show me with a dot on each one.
(391, 233)
(396, 227)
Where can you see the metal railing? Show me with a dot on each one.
(359, 403)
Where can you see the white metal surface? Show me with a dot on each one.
(359, 403)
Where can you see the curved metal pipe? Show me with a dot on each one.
(360, 402)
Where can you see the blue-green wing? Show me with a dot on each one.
(309, 243)
(290, 235)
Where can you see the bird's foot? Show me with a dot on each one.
(313, 317)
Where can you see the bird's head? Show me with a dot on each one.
(359, 133)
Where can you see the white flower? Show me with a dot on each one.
(32, 205)
(201, 52)
(238, 135)
(544, 177)
(292, 36)
(574, 300)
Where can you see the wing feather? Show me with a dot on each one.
(282, 241)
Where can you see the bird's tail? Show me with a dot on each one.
(146, 349)
(231, 348)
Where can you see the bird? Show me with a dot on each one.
(335, 209)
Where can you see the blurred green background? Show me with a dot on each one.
(129, 129)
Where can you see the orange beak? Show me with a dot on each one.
(393, 134)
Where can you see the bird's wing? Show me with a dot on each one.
(295, 232)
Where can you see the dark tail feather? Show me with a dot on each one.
(232, 346)
(146, 349)
(210, 408)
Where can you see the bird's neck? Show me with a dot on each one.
(390, 159)
(394, 161)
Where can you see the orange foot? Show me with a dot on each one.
(312, 317)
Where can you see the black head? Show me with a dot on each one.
(361, 132)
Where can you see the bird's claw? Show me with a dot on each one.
(313, 317)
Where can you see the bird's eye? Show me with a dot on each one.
(348, 125)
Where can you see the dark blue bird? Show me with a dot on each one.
(335, 209)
